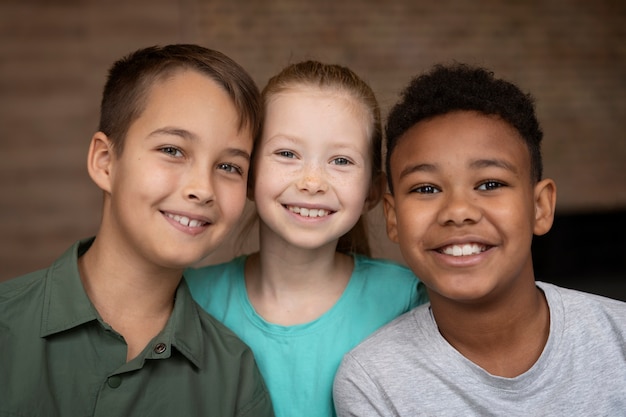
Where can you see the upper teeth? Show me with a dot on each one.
(309, 212)
(463, 250)
(185, 221)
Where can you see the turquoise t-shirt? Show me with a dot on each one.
(299, 362)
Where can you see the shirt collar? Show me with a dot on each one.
(66, 306)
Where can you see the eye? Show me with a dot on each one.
(286, 154)
(341, 161)
(172, 151)
(490, 185)
(230, 168)
(426, 189)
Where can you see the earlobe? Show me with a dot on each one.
(377, 188)
(390, 214)
(99, 160)
(545, 204)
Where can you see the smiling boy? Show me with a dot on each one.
(110, 328)
(466, 197)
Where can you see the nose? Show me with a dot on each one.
(459, 208)
(313, 179)
(199, 186)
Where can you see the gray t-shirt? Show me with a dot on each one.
(408, 369)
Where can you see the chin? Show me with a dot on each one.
(180, 261)
(463, 292)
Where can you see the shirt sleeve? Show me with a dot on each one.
(355, 393)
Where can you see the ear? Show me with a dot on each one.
(545, 203)
(100, 160)
(389, 208)
(250, 188)
(377, 188)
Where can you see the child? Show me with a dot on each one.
(110, 328)
(311, 293)
(467, 195)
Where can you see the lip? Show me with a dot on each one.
(189, 223)
(297, 209)
(462, 240)
(466, 243)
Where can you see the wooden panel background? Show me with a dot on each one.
(571, 54)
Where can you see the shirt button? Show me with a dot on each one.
(160, 348)
(114, 381)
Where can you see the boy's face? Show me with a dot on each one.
(179, 185)
(464, 209)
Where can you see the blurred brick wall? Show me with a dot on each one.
(571, 54)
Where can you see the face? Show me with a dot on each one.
(312, 168)
(179, 185)
(464, 208)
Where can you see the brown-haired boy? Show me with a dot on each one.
(110, 328)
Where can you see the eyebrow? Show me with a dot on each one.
(187, 135)
(279, 136)
(497, 163)
(417, 168)
(172, 131)
(475, 164)
(298, 140)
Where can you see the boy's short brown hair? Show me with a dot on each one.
(130, 79)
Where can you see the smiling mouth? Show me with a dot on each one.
(306, 212)
(467, 249)
(186, 221)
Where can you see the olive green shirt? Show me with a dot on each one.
(58, 358)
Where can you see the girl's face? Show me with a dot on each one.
(313, 166)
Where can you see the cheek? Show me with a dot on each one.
(413, 224)
(356, 185)
(133, 181)
(262, 188)
(517, 216)
(231, 199)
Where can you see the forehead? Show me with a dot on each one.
(305, 111)
(457, 139)
(190, 101)
(317, 97)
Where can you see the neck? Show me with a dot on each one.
(285, 266)
(505, 337)
(134, 299)
(112, 279)
(288, 285)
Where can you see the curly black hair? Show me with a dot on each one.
(462, 87)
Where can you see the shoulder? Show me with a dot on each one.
(598, 313)
(387, 277)
(579, 299)
(401, 331)
(235, 265)
(220, 337)
(208, 280)
(21, 306)
(15, 288)
(383, 269)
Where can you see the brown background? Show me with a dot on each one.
(571, 54)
